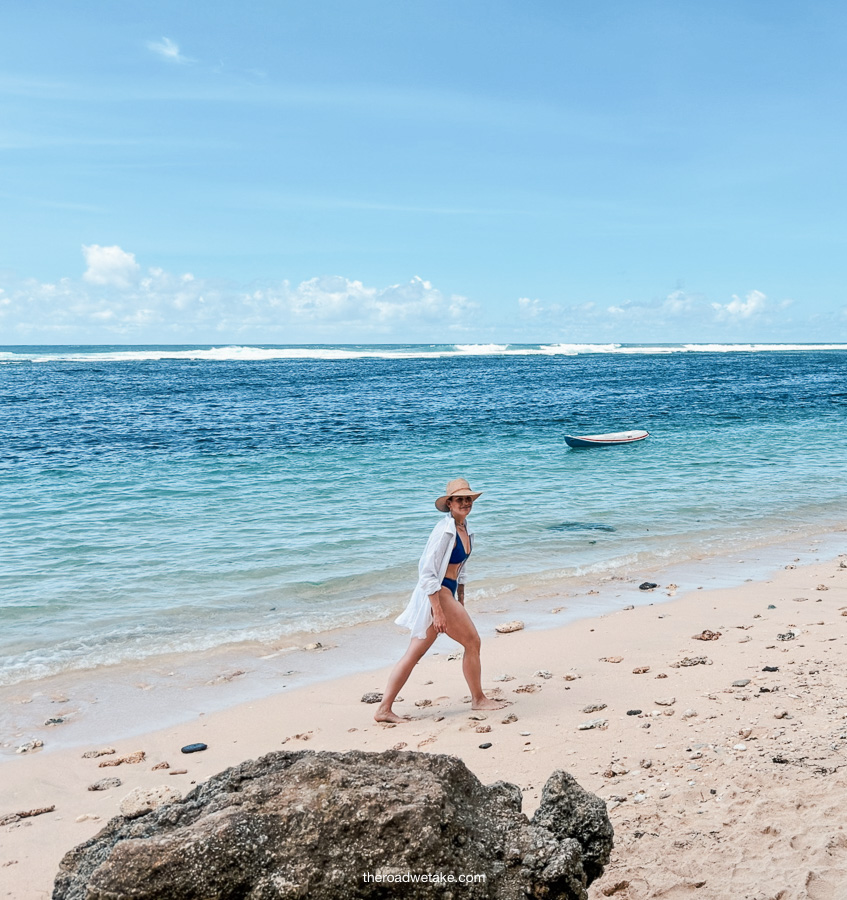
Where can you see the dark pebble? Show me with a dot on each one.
(647, 586)
(771, 606)
(633, 712)
(771, 669)
(485, 746)
(712, 791)
(193, 748)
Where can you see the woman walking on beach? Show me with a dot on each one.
(438, 602)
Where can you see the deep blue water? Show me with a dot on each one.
(158, 499)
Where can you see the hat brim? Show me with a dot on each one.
(441, 502)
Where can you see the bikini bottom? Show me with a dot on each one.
(451, 585)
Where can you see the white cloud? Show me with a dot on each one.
(169, 50)
(109, 265)
(116, 297)
(737, 309)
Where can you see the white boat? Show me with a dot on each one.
(606, 440)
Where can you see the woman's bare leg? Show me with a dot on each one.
(462, 629)
(400, 675)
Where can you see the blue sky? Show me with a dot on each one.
(283, 172)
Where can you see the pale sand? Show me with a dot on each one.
(707, 819)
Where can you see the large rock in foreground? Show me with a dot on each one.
(334, 826)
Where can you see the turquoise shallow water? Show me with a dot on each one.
(167, 499)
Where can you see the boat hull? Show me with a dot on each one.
(606, 440)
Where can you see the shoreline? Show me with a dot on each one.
(700, 790)
(136, 697)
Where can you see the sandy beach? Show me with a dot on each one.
(722, 759)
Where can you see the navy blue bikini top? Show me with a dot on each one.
(458, 555)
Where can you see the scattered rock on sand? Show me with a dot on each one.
(372, 697)
(543, 673)
(692, 661)
(143, 800)
(504, 678)
(601, 724)
(741, 682)
(422, 703)
(316, 645)
(788, 636)
(131, 760)
(593, 707)
(29, 746)
(706, 636)
(161, 765)
(780, 713)
(611, 659)
(641, 670)
(509, 627)
(25, 814)
(689, 714)
(104, 784)
(665, 701)
(483, 729)
(55, 720)
(486, 745)
(647, 585)
(821, 587)
(93, 754)
(509, 720)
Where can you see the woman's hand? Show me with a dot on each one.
(438, 618)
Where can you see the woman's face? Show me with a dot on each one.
(460, 505)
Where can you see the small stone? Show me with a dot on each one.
(647, 585)
(771, 669)
(317, 645)
(668, 712)
(689, 714)
(665, 701)
(131, 760)
(143, 800)
(93, 754)
(86, 817)
(639, 798)
(570, 676)
(633, 712)
(55, 720)
(400, 746)
(527, 689)
(509, 627)
(510, 719)
(692, 661)
(707, 635)
(505, 678)
(601, 724)
(372, 697)
(611, 659)
(543, 673)
(594, 707)
(628, 608)
(661, 675)
(646, 764)
(641, 670)
(788, 636)
(161, 765)
(478, 717)
(422, 703)
(780, 713)
(740, 747)
(178, 772)
(821, 587)
(485, 746)
(741, 682)
(29, 746)
(104, 784)
(483, 729)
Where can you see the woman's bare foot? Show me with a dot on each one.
(487, 703)
(387, 715)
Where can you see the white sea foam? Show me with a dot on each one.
(387, 351)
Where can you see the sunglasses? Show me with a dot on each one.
(462, 500)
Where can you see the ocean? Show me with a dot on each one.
(179, 499)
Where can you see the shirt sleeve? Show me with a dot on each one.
(432, 563)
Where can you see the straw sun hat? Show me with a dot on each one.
(458, 487)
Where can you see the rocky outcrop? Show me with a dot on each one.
(328, 826)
